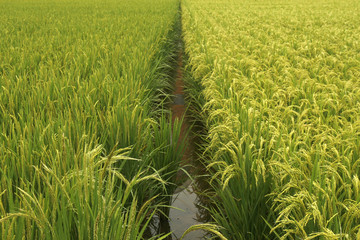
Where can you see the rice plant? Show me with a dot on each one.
(278, 91)
(86, 148)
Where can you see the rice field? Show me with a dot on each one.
(88, 148)
(276, 84)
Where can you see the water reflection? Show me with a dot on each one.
(180, 220)
(187, 209)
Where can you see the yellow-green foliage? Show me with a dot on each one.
(80, 83)
(281, 85)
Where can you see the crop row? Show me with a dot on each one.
(280, 98)
(86, 151)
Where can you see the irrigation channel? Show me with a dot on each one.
(185, 211)
(186, 208)
(187, 202)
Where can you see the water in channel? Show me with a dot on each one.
(186, 204)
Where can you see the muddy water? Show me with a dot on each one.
(186, 208)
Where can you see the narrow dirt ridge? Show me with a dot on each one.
(178, 107)
(178, 110)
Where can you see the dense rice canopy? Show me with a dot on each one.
(282, 104)
(80, 85)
